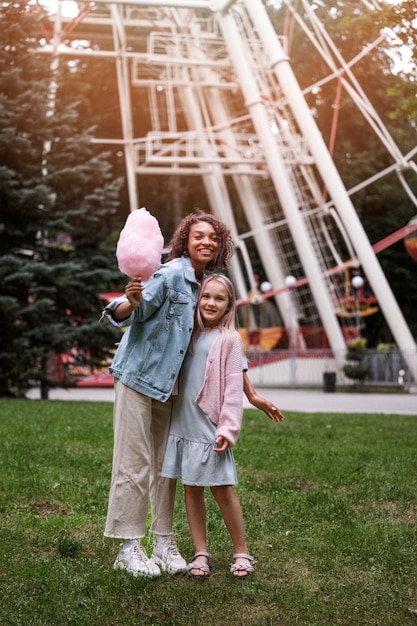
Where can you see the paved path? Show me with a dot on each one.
(306, 401)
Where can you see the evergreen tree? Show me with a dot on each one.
(58, 199)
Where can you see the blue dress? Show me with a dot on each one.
(189, 453)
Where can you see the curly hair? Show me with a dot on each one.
(179, 241)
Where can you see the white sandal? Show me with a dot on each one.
(205, 568)
(246, 567)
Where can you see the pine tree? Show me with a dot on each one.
(58, 199)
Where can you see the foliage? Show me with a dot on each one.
(386, 347)
(58, 197)
(357, 346)
(329, 503)
(356, 372)
(356, 354)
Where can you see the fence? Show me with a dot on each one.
(309, 368)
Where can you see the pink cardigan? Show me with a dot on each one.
(221, 396)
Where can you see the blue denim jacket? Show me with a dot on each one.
(153, 347)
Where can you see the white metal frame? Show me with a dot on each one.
(280, 143)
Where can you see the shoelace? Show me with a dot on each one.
(171, 546)
(140, 552)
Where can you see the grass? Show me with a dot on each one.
(330, 504)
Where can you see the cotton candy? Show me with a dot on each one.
(140, 245)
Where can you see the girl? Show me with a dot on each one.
(206, 421)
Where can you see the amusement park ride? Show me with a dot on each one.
(225, 105)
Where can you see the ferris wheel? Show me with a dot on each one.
(225, 106)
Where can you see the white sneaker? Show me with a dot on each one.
(166, 555)
(135, 561)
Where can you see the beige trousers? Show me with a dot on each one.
(141, 427)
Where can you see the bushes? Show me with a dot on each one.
(356, 353)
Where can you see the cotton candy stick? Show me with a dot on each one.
(140, 245)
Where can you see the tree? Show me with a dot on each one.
(58, 200)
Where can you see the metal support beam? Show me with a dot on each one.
(171, 4)
(123, 82)
(332, 180)
(282, 183)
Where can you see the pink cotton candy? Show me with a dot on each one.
(140, 245)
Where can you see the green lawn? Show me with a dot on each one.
(330, 504)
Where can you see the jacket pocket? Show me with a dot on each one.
(176, 303)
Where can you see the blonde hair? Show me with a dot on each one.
(228, 322)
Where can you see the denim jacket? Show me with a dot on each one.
(153, 347)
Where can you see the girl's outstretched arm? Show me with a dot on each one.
(259, 402)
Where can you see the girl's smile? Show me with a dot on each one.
(213, 304)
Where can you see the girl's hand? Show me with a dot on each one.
(267, 407)
(259, 402)
(221, 444)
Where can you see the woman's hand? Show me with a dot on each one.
(133, 292)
